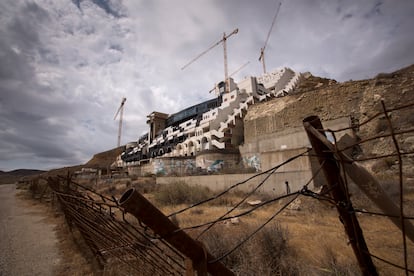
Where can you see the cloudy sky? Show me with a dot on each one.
(65, 65)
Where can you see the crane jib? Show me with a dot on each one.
(235, 31)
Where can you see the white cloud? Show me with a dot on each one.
(66, 65)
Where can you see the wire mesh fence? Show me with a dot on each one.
(116, 238)
(381, 145)
(384, 147)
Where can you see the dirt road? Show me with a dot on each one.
(27, 241)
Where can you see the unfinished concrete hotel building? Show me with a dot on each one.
(214, 127)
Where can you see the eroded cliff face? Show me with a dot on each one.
(330, 100)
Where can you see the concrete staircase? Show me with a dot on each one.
(284, 85)
(220, 128)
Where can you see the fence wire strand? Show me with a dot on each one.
(110, 235)
(267, 172)
(114, 235)
(393, 133)
(400, 178)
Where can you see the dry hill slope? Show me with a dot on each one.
(331, 100)
(358, 100)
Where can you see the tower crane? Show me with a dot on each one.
(121, 113)
(262, 50)
(224, 39)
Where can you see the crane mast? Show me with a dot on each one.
(121, 114)
(224, 41)
(226, 72)
(262, 50)
(262, 59)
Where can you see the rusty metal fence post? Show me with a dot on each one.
(337, 190)
(137, 205)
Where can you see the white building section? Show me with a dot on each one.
(214, 124)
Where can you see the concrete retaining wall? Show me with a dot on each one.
(275, 185)
(262, 135)
(208, 161)
(274, 147)
(140, 170)
(215, 161)
(165, 166)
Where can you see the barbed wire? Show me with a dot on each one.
(257, 230)
(304, 191)
(242, 214)
(392, 133)
(361, 159)
(357, 210)
(320, 196)
(267, 172)
(373, 138)
(400, 177)
(252, 191)
(390, 263)
(376, 115)
(97, 216)
(294, 195)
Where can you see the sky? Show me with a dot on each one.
(65, 65)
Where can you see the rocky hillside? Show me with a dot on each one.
(330, 100)
(358, 100)
(104, 159)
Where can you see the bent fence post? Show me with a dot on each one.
(137, 205)
(369, 186)
(337, 190)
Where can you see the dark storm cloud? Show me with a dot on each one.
(13, 65)
(24, 25)
(65, 66)
(110, 7)
(26, 135)
(375, 10)
(19, 42)
(35, 120)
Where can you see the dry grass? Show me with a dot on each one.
(181, 193)
(269, 248)
(309, 241)
(285, 247)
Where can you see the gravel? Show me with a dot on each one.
(28, 244)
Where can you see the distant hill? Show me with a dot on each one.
(104, 159)
(15, 175)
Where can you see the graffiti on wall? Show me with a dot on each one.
(215, 166)
(159, 167)
(173, 167)
(252, 162)
(189, 165)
